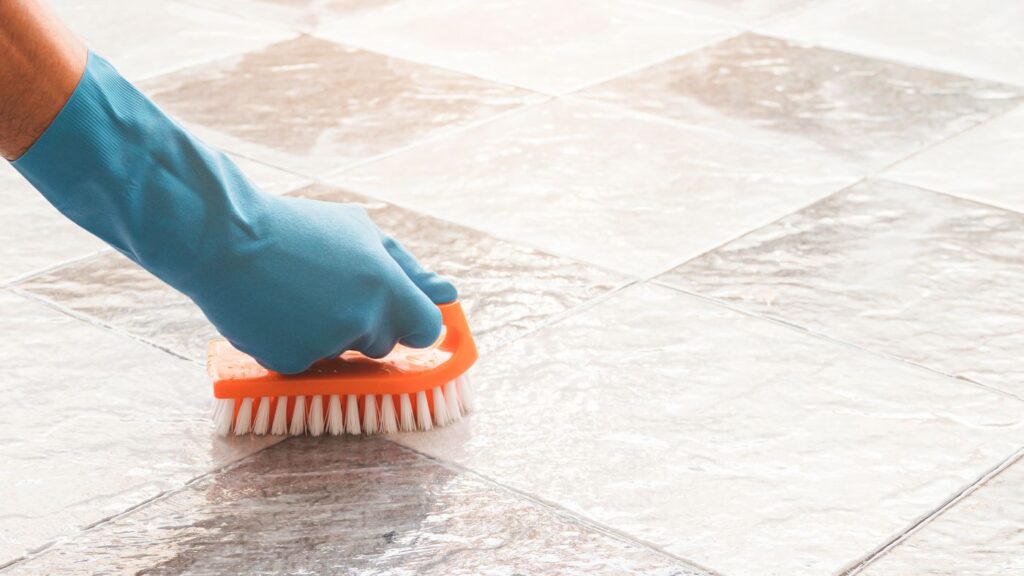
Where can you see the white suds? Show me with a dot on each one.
(370, 414)
(423, 411)
(440, 408)
(352, 414)
(316, 415)
(280, 425)
(335, 423)
(388, 417)
(408, 421)
(262, 421)
(298, 417)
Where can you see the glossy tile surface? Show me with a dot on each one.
(347, 506)
(506, 289)
(899, 270)
(866, 111)
(94, 423)
(315, 106)
(984, 38)
(33, 234)
(983, 164)
(602, 185)
(979, 536)
(737, 11)
(742, 445)
(301, 14)
(145, 38)
(531, 43)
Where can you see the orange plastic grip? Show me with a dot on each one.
(404, 371)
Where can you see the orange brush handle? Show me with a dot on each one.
(237, 375)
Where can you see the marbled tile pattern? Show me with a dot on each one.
(983, 38)
(865, 110)
(903, 271)
(93, 424)
(33, 235)
(507, 289)
(551, 46)
(301, 14)
(743, 12)
(347, 506)
(983, 163)
(315, 106)
(603, 185)
(979, 536)
(731, 441)
(145, 38)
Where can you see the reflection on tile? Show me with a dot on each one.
(269, 179)
(739, 11)
(983, 39)
(744, 446)
(315, 106)
(867, 111)
(93, 424)
(979, 536)
(302, 14)
(506, 289)
(602, 185)
(530, 43)
(984, 163)
(346, 506)
(33, 235)
(899, 270)
(145, 38)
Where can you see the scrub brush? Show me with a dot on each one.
(409, 389)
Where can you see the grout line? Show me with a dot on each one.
(54, 267)
(858, 566)
(562, 512)
(826, 337)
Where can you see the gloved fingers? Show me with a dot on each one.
(438, 289)
(419, 319)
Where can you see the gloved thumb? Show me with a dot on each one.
(439, 290)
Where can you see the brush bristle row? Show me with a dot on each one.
(349, 414)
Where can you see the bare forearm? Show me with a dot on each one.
(42, 63)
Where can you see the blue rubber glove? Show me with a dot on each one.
(287, 280)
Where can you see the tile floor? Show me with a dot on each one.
(745, 276)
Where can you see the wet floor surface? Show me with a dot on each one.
(745, 278)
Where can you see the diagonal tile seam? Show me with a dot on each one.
(564, 513)
(858, 566)
(256, 18)
(10, 283)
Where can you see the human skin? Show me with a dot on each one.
(42, 62)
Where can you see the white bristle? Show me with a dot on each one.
(352, 414)
(451, 398)
(423, 411)
(223, 415)
(441, 417)
(280, 425)
(466, 399)
(262, 421)
(244, 418)
(335, 423)
(388, 417)
(370, 414)
(316, 415)
(298, 417)
(407, 421)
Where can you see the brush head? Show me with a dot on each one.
(409, 389)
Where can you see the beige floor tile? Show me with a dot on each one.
(899, 270)
(864, 110)
(737, 11)
(983, 39)
(301, 14)
(145, 38)
(979, 536)
(315, 106)
(983, 163)
(603, 185)
(347, 506)
(506, 289)
(747, 447)
(33, 234)
(544, 45)
(94, 424)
